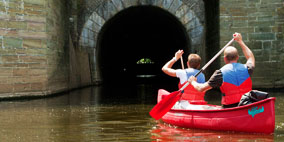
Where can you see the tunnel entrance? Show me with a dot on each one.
(136, 34)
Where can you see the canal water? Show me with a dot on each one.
(110, 114)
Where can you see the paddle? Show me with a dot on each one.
(181, 60)
(160, 109)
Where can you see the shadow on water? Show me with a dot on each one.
(110, 113)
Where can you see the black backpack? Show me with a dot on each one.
(252, 96)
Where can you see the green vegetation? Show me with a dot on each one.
(145, 61)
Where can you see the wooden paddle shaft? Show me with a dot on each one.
(206, 65)
(181, 60)
(214, 58)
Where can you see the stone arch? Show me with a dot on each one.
(189, 12)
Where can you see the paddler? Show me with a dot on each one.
(190, 95)
(233, 79)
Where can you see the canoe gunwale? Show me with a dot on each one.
(226, 109)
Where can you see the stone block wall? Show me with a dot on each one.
(35, 49)
(39, 55)
(67, 66)
(56, 46)
(23, 48)
(261, 22)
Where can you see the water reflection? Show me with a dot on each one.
(108, 114)
(164, 132)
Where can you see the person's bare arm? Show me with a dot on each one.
(201, 87)
(167, 68)
(247, 52)
(215, 81)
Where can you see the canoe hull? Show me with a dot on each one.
(258, 117)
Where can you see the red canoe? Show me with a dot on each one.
(258, 117)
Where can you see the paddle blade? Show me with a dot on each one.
(160, 109)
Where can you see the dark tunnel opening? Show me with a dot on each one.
(137, 42)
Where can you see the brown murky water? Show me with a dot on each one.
(91, 114)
